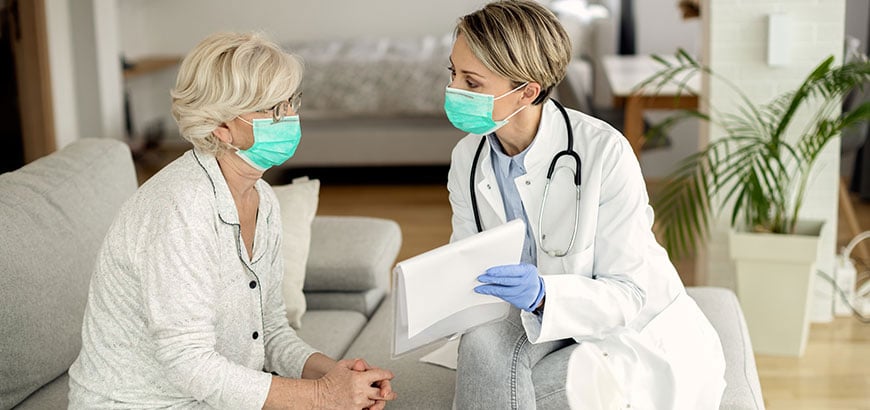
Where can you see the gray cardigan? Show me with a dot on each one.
(177, 314)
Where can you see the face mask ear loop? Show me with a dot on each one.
(515, 113)
(237, 149)
(512, 91)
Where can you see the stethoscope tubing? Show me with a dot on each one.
(577, 181)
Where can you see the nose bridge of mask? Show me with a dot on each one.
(266, 130)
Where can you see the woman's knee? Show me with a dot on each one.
(490, 346)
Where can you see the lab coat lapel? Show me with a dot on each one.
(491, 208)
(531, 186)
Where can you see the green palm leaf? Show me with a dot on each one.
(752, 167)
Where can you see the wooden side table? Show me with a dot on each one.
(624, 74)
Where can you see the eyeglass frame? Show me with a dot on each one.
(279, 111)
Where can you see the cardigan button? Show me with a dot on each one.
(253, 284)
(255, 335)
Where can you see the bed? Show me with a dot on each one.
(375, 102)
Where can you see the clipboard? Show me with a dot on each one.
(434, 296)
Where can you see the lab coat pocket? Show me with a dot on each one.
(682, 335)
(581, 262)
(666, 331)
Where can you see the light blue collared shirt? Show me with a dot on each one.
(507, 169)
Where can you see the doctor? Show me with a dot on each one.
(593, 288)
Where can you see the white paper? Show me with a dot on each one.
(434, 291)
(444, 356)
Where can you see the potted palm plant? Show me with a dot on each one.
(758, 173)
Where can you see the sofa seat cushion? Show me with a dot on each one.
(55, 213)
(331, 331)
(720, 305)
(54, 395)
(351, 254)
(420, 385)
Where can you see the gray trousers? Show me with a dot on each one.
(500, 369)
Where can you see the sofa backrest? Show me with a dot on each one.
(54, 213)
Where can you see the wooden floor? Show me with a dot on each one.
(833, 374)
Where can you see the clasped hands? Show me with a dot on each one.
(355, 384)
(520, 285)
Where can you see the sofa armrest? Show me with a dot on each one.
(720, 305)
(351, 254)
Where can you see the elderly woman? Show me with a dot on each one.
(593, 285)
(185, 307)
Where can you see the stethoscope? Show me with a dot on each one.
(569, 152)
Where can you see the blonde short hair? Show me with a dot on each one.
(226, 75)
(520, 40)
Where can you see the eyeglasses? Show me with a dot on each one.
(280, 110)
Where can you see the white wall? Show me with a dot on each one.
(85, 69)
(736, 49)
(858, 20)
(84, 48)
(661, 29)
(108, 68)
(63, 85)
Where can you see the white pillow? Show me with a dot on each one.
(298, 202)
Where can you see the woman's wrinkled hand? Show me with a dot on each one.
(386, 389)
(353, 384)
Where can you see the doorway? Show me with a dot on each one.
(26, 114)
(11, 145)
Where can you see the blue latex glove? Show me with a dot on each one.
(518, 284)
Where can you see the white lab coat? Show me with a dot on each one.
(643, 343)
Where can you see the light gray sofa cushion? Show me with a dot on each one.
(54, 395)
(420, 385)
(331, 331)
(362, 302)
(54, 213)
(743, 390)
(351, 253)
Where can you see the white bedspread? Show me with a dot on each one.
(374, 77)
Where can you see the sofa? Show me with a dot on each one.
(55, 211)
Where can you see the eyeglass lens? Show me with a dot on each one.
(282, 109)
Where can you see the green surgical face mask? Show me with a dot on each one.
(472, 112)
(274, 142)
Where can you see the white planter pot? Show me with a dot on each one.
(775, 276)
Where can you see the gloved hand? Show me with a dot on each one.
(518, 284)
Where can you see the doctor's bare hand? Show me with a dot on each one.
(518, 284)
(344, 387)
